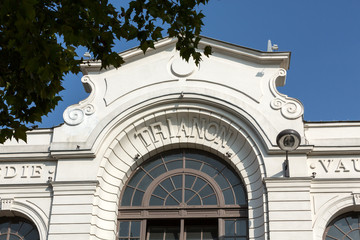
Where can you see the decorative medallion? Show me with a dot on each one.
(180, 68)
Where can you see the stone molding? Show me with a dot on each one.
(75, 114)
(290, 108)
(164, 130)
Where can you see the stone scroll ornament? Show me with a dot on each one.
(75, 114)
(290, 108)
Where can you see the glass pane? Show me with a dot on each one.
(33, 235)
(215, 163)
(188, 194)
(334, 232)
(193, 233)
(156, 233)
(229, 196)
(177, 181)
(168, 185)
(126, 199)
(155, 201)
(220, 179)
(136, 178)
(177, 195)
(151, 164)
(210, 233)
(198, 184)
(240, 195)
(241, 227)
(209, 170)
(15, 226)
(230, 175)
(174, 165)
(158, 171)
(25, 229)
(230, 227)
(159, 191)
(14, 237)
(135, 229)
(137, 198)
(353, 222)
(193, 164)
(201, 232)
(342, 224)
(170, 201)
(354, 234)
(194, 201)
(206, 191)
(172, 233)
(210, 200)
(124, 228)
(189, 181)
(3, 237)
(172, 157)
(145, 182)
(4, 227)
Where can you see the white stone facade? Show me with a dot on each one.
(68, 180)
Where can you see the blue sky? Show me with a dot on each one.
(323, 37)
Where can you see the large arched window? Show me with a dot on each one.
(16, 228)
(346, 226)
(183, 194)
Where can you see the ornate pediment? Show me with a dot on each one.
(234, 78)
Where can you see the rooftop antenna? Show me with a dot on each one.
(271, 47)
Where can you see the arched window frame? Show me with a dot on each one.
(18, 228)
(351, 222)
(224, 213)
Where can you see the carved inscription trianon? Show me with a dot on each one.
(336, 167)
(200, 128)
(187, 127)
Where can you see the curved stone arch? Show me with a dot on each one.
(31, 212)
(179, 128)
(333, 209)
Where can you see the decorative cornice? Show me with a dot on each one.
(6, 203)
(76, 113)
(290, 108)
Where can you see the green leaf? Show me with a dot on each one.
(39, 39)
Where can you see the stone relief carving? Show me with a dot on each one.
(181, 68)
(356, 198)
(75, 114)
(290, 108)
(6, 203)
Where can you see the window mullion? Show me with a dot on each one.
(143, 232)
(182, 230)
(221, 224)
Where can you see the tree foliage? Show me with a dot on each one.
(38, 39)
